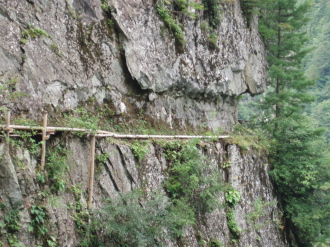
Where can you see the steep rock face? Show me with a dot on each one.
(132, 63)
(256, 213)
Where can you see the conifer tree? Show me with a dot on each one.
(299, 170)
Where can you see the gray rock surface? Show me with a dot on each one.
(132, 63)
(245, 170)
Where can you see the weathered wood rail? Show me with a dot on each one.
(46, 131)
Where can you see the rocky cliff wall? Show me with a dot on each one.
(245, 171)
(121, 55)
(63, 54)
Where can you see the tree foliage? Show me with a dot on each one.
(297, 153)
(132, 219)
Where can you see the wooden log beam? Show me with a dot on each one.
(119, 136)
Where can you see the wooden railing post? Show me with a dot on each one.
(8, 124)
(44, 139)
(91, 174)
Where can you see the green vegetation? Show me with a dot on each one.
(139, 219)
(297, 151)
(10, 93)
(11, 221)
(139, 149)
(57, 167)
(259, 210)
(234, 229)
(172, 25)
(81, 118)
(54, 47)
(215, 243)
(249, 8)
(38, 225)
(105, 5)
(26, 141)
(317, 62)
(232, 198)
(39, 216)
(132, 219)
(10, 226)
(173, 12)
(33, 32)
(212, 10)
(213, 40)
(187, 181)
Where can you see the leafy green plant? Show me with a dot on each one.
(227, 164)
(232, 224)
(248, 139)
(139, 149)
(204, 27)
(102, 158)
(11, 221)
(27, 141)
(23, 41)
(14, 241)
(182, 5)
(39, 216)
(232, 197)
(24, 121)
(38, 225)
(40, 178)
(105, 5)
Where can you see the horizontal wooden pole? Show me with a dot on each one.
(103, 133)
(119, 136)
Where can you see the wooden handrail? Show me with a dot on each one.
(104, 133)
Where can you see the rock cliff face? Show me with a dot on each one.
(256, 213)
(63, 53)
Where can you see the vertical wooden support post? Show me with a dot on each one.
(44, 139)
(8, 124)
(91, 174)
